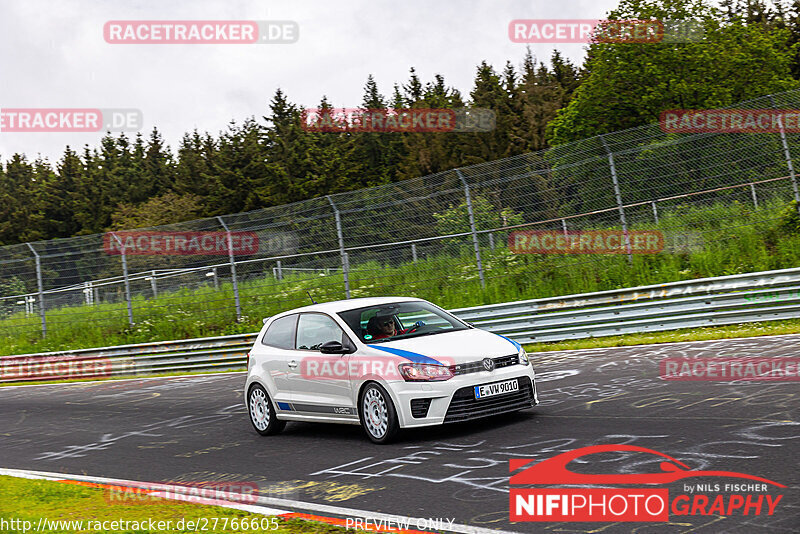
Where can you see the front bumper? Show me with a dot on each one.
(464, 406)
(454, 400)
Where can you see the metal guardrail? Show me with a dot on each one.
(223, 353)
(742, 298)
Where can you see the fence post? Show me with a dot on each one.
(618, 195)
(88, 293)
(414, 252)
(753, 193)
(233, 270)
(216, 280)
(655, 211)
(125, 276)
(153, 283)
(491, 240)
(474, 231)
(564, 228)
(279, 272)
(342, 253)
(788, 155)
(40, 289)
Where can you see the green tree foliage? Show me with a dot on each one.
(541, 93)
(10, 286)
(789, 221)
(454, 220)
(428, 153)
(381, 153)
(237, 170)
(58, 195)
(630, 84)
(163, 209)
(19, 218)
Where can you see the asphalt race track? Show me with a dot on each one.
(188, 429)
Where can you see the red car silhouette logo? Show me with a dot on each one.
(553, 471)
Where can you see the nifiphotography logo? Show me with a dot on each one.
(603, 504)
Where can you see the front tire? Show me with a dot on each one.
(262, 413)
(377, 413)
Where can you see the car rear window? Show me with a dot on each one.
(281, 333)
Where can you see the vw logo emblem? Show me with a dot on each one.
(488, 364)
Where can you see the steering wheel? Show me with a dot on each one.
(414, 327)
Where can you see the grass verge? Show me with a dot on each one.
(30, 500)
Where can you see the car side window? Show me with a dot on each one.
(314, 329)
(281, 333)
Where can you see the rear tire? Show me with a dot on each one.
(262, 413)
(377, 413)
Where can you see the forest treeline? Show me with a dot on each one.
(749, 49)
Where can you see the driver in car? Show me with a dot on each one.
(383, 326)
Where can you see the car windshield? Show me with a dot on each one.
(400, 320)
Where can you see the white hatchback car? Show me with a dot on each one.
(385, 363)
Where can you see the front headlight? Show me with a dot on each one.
(523, 357)
(420, 372)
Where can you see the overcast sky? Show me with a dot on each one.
(54, 56)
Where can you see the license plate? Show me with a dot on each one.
(498, 388)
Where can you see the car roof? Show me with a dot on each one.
(349, 304)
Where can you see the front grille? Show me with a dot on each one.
(465, 406)
(419, 407)
(476, 367)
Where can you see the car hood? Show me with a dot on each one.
(450, 348)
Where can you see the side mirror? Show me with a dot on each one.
(334, 347)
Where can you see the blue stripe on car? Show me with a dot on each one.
(284, 406)
(408, 355)
(516, 345)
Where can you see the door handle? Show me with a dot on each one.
(293, 364)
